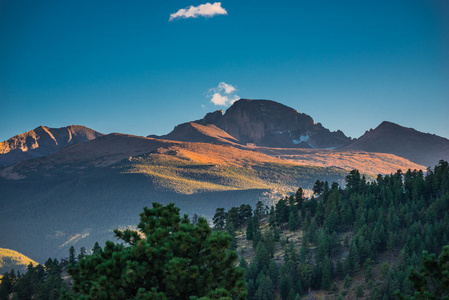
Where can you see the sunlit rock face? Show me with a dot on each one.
(43, 141)
(269, 123)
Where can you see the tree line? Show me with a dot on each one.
(368, 239)
(347, 233)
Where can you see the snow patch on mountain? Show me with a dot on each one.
(302, 138)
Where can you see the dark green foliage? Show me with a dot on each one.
(293, 220)
(96, 249)
(285, 286)
(245, 213)
(265, 288)
(403, 214)
(432, 280)
(233, 217)
(72, 259)
(219, 218)
(42, 283)
(318, 187)
(82, 253)
(259, 211)
(282, 211)
(250, 230)
(359, 292)
(299, 198)
(273, 272)
(171, 258)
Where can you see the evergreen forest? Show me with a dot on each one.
(369, 239)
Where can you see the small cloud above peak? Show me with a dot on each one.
(227, 88)
(206, 10)
(223, 94)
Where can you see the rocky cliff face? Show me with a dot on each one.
(43, 141)
(271, 124)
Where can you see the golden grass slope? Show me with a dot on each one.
(10, 259)
(365, 162)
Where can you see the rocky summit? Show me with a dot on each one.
(43, 141)
(271, 124)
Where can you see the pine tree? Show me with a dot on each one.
(432, 281)
(219, 218)
(96, 249)
(82, 253)
(273, 272)
(293, 220)
(72, 260)
(169, 258)
(250, 230)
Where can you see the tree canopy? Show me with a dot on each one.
(168, 258)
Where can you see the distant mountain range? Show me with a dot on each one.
(266, 123)
(79, 184)
(43, 141)
(422, 148)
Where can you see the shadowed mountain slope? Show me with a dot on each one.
(422, 148)
(79, 194)
(43, 141)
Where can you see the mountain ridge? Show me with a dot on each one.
(43, 141)
(422, 148)
(271, 124)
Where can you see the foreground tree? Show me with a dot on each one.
(432, 281)
(169, 258)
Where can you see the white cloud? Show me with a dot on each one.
(205, 10)
(218, 99)
(228, 89)
(223, 94)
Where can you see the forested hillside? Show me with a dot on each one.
(361, 240)
(356, 242)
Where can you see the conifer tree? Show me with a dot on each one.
(219, 218)
(72, 259)
(169, 259)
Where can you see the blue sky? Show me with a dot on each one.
(123, 66)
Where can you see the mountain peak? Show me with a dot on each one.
(272, 124)
(43, 141)
(419, 147)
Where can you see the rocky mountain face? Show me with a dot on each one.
(271, 124)
(43, 141)
(422, 148)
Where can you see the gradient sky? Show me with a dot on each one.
(122, 66)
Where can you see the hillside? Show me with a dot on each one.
(365, 162)
(346, 243)
(422, 148)
(43, 141)
(79, 194)
(10, 259)
(354, 241)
